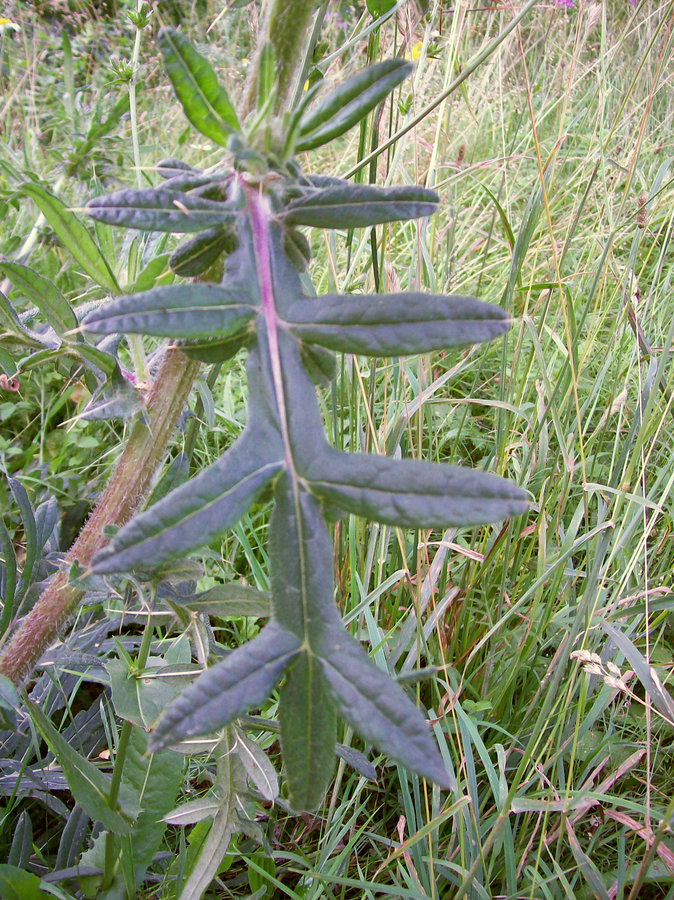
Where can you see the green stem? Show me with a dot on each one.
(284, 25)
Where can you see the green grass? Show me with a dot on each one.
(553, 160)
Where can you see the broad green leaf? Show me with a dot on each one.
(378, 709)
(412, 493)
(178, 310)
(243, 679)
(378, 8)
(198, 511)
(229, 600)
(395, 324)
(154, 779)
(347, 104)
(16, 884)
(203, 99)
(359, 205)
(158, 209)
(197, 255)
(44, 294)
(74, 236)
(308, 733)
(90, 787)
(135, 698)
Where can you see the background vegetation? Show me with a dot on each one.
(550, 635)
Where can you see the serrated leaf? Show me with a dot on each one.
(197, 255)
(244, 678)
(197, 511)
(347, 104)
(73, 235)
(359, 205)
(412, 493)
(203, 99)
(308, 733)
(89, 786)
(395, 324)
(158, 209)
(378, 709)
(178, 310)
(44, 294)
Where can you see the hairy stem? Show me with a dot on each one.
(123, 494)
(285, 25)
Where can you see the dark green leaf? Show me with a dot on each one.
(89, 786)
(198, 511)
(203, 99)
(378, 710)
(158, 209)
(347, 104)
(44, 294)
(395, 324)
(358, 205)
(243, 679)
(308, 733)
(179, 310)
(215, 351)
(73, 235)
(412, 493)
(196, 255)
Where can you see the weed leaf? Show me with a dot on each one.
(347, 104)
(359, 205)
(44, 294)
(395, 324)
(203, 98)
(158, 209)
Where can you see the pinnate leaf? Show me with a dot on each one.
(351, 101)
(395, 324)
(203, 98)
(359, 205)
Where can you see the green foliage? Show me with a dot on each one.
(261, 303)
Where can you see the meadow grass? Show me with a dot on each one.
(547, 641)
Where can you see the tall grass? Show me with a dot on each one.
(553, 159)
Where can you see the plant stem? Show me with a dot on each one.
(123, 494)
